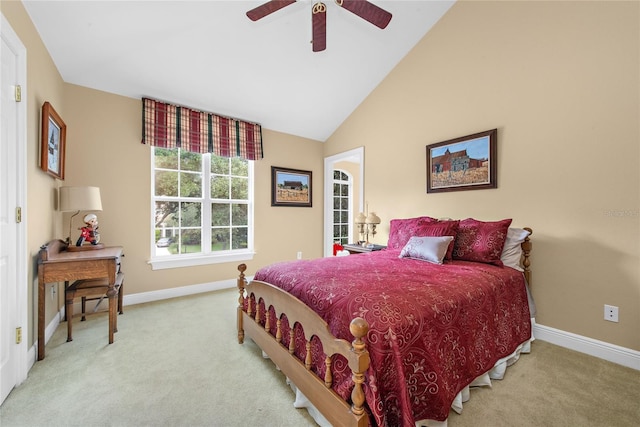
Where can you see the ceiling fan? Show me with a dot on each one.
(364, 9)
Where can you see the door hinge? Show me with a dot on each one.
(18, 93)
(18, 214)
(18, 335)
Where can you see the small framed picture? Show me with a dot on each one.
(466, 163)
(290, 187)
(52, 142)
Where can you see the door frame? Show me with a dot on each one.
(355, 155)
(22, 307)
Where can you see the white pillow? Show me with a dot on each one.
(427, 248)
(512, 251)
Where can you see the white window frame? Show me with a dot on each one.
(349, 183)
(190, 260)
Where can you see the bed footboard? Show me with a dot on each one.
(335, 409)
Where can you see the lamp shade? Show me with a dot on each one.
(373, 218)
(80, 199)
(361, 219)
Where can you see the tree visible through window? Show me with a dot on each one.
(202, 203)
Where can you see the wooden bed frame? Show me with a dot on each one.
(335, 409)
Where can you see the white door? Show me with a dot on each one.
(12, 234)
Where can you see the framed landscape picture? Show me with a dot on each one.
(466, 163)
(52, 142)
(290, 187)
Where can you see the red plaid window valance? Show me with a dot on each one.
(172, 126)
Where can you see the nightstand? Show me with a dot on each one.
(358, 249)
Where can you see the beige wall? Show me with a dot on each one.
(560, 81)
(104, 150)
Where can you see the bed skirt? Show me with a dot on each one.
(484, 380)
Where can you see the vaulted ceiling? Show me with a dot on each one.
(208, 55)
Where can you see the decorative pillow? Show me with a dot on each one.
(481, 241)
(401, 230)
(512, 251)
(427, 248)
(440, 228)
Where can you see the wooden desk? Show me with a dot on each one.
(56, 264)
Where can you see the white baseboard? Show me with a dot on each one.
(140, 298)
(611, 352)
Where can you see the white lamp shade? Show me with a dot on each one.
(80, 199)
(373, 218)
(361, 219)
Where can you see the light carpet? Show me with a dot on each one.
(178, 363)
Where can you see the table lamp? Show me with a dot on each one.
(78, 199)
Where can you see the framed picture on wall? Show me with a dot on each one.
(466, 163)
(290, 187)
(52, 142)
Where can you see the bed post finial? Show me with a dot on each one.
(241, 283)
(359, 329)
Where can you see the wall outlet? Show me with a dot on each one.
(610, 313)
(53, 292)
(299, 255)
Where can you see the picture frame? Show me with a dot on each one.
(466, 163)
(53, 137)
(291, 187)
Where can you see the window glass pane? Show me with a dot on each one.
(190, 185)
(239, 239)
(344, 230)
(344, 217)
(336, 203)
(166, 214)
(239, 188)
(220, 238)
(336, 189)
(190, 161)
(336, 231)
(344, 190)
(240, 214)
(166, 184)
(190, 214)
(336, 216)
(239, 167)
(344, 176)
(220, 187)
(219, 165)
(190, 241)
(166, 159)
(344, 203)
(220, 214)
(336, 174)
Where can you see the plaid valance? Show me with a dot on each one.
(172, 126)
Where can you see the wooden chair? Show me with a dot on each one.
(89, 290)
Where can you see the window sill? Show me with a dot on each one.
(195, 260)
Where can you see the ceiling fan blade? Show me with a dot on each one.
(367, 11)
(268, 8)
(319, 24)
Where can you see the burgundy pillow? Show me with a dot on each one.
(401, 230)
(481, 241)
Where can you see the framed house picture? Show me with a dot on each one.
(466, 163)
(290, 187)
(52, 142)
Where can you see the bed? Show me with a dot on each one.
(395, 337)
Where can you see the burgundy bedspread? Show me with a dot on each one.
(433, 328)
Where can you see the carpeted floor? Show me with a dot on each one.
(177, 363)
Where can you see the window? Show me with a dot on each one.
(341, 206)
(202, 208)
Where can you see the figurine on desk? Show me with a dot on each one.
(89, 233)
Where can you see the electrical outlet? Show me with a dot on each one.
(299, 254)
(53, 292)
(610, 313)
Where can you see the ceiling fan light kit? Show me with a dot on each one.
(362, 8)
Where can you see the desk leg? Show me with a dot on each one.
(113, 302)
(40, 314)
